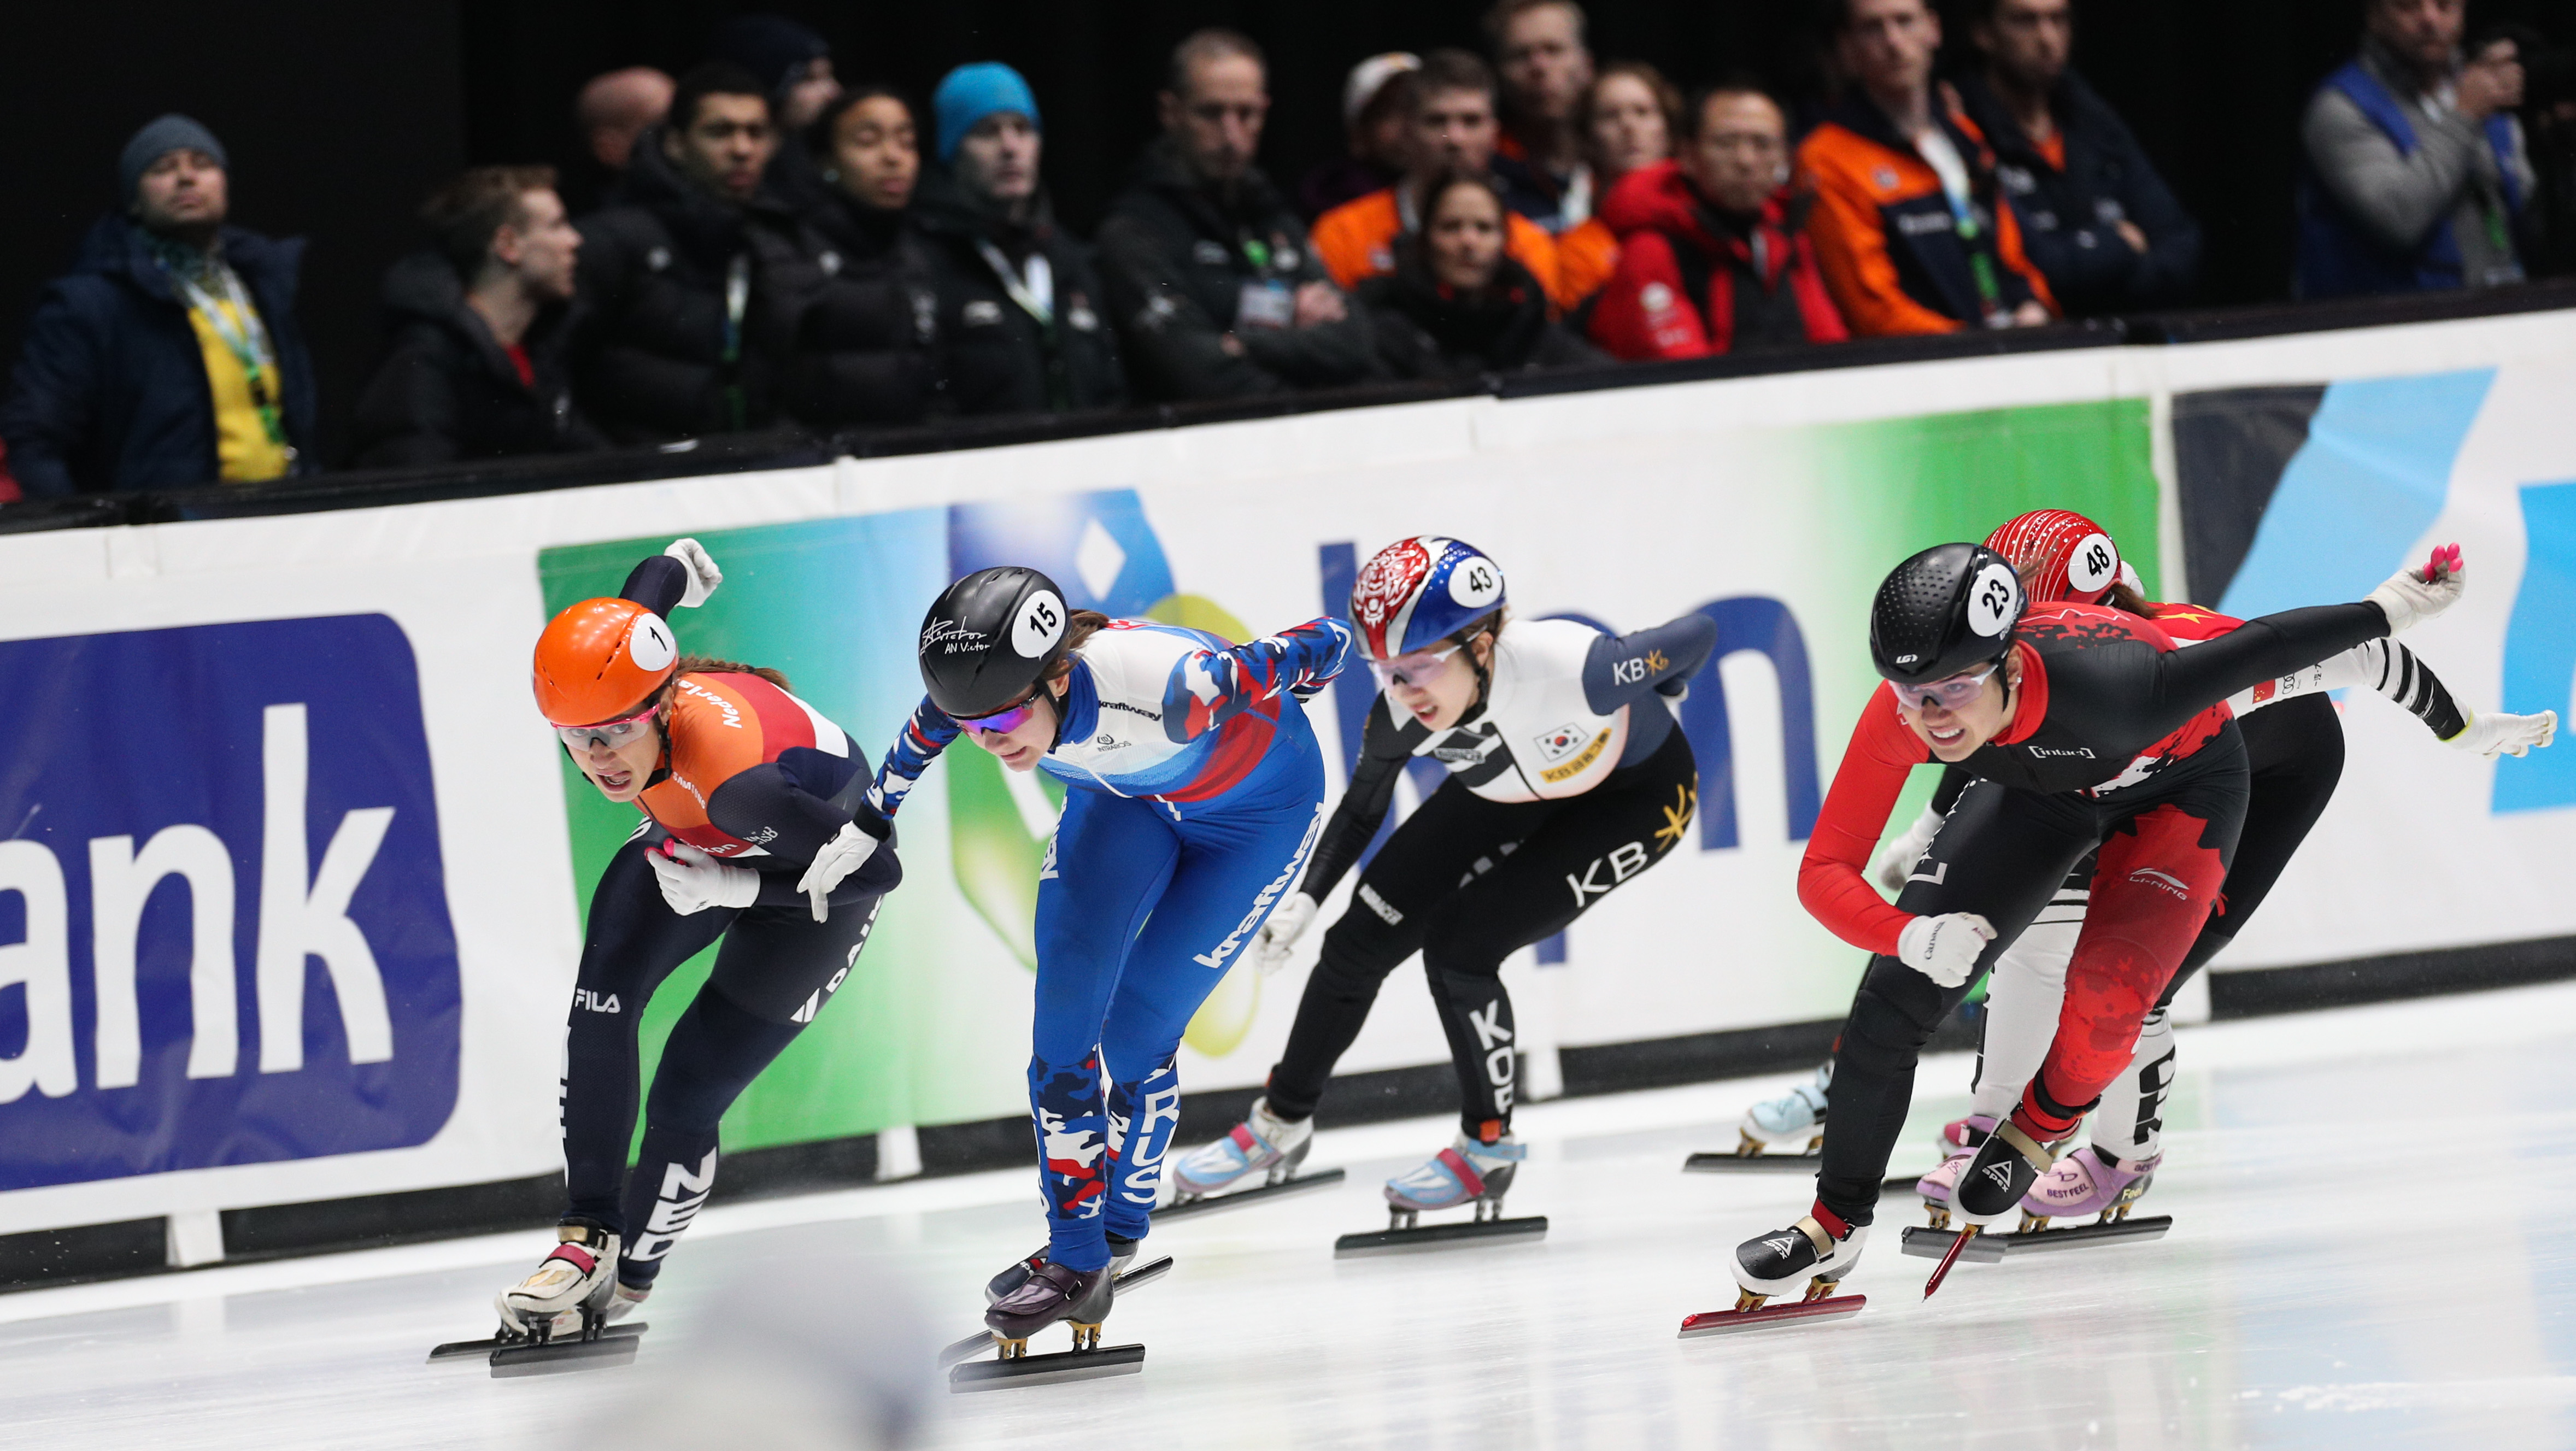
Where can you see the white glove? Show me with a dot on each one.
(1895, 861)
(2412, 596)
(1270, 945)
(1944, 948)
(693, 881)
(847, 851)
(703, 574)
(2494, 733)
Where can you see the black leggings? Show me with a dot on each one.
(2003, 854)
(776, 970)
(1468, 882)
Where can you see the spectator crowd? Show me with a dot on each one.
(756, 245)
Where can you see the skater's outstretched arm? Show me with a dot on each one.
(923, 738)
(2392, 670)
(1211, 687)
(1384, 748)
(1831, 880)
(1622, 668)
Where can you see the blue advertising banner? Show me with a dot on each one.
(224, 931)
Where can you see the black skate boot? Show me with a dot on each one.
(1080, 1298)
(2007, 1165)
(1773, 1264)
(1122, 1253)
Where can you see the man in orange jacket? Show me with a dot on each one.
(1453, 129)
(1910, 230)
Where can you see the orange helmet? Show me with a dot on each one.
(2070, 557)
(600, 660)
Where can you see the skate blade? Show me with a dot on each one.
(1126, 1284)
(1439, 1236)
(459, 1349)
(1931, 1244)
(1728, 1163)
(1064, 1365)
(1238, 1198)
(556, 1357)
(1728, 1322)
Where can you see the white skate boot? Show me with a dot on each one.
(1469, 1170)
(569, 1289)
(1262, 1143)
(1795, 1119)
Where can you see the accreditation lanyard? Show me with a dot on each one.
(1981, 262)
(1035, 293)
(737, 302)
(244, 338)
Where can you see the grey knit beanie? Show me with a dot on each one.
(157, 139)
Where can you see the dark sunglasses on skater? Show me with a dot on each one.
(1949, 694)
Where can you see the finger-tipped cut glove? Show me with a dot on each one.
(1271, 944)
(1895, 861)
(703, 574)
(1944, 948)
(2493, 733)
(847, 851)
(2412, 596)
(693, 881)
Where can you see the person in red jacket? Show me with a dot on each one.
(1714, 254)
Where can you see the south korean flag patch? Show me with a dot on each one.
(1556, 745)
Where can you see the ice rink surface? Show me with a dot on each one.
(2370, 1248)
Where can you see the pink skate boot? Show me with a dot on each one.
(1966, 1134)
(1960, 1141)
(2088, 1182)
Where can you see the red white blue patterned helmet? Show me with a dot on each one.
(1417, 591)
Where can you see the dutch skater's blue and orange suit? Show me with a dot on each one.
(1196, 791)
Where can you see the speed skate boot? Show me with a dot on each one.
(1052, 1293)
(1961, 1140)
(1262, 1144)
(1773, 1264)
(1122, 1253)
(2088, 1181)
(2004, 1169)
(1468, 1171)
(1795, 1119)
(627, 1300)
(569, 1291)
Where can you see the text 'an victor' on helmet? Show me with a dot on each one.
(989, 638)
(1416, 592)
(2068, 557)
(600, 660)
(1948, 609)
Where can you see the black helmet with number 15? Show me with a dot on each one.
(1948, 609)
(990, 638)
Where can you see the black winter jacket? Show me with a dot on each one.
(2066, 216)
(650, 354)
(446, 390)
(1426, 331)
(994, 356)
(1177, 258)
(110, 391)
(854, 318)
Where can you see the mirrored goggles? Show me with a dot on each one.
(1949, 694)
(610, 733)
(1004, 721)
(1417, 669)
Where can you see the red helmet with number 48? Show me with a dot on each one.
(2065, 555)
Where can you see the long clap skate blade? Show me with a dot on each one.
(1989, 1248)
(1126, 1284)
(563, 1355)
(1751, 1163)
(1064, 1365)
(1237, 1199)
(459, 1349)
(1728, 1322)
(1439, 1236)
(1941, 1271)
(1926, 1243)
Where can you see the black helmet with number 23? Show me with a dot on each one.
(1948, 609)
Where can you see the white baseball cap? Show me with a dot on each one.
(1369, 77)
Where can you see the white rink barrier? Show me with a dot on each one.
(291, 896)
